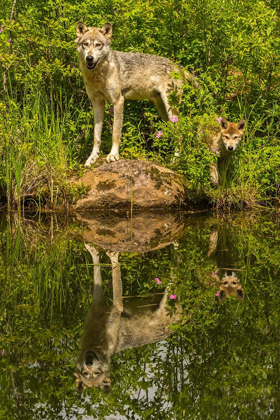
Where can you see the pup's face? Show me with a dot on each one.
(92, 372)
(93, 44)
(230, 286)
(232, 133)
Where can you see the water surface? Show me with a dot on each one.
(88, 329)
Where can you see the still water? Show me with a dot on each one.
(162, 316)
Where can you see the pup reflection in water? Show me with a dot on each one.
(227, 279)
(109, 330)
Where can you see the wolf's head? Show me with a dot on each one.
(230, 286)
(92, 371)
(93, 44)
(232, 133)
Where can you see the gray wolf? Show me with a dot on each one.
(114, 76)
(110, 329)
(224, 142)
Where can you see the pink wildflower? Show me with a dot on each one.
(218, 294)
(172, 297)
(219, 120)
(215, 272)
(111, 111)
(1, 29)
(174, 119)
(217, 152)
(158, 280)
(159, 134)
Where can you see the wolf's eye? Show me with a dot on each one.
(85, 373)
(225, 282)
(227, 136)
(86, 44)
(98, 45)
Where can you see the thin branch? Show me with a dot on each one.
(13, 10)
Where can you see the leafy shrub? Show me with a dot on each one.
(232, 47)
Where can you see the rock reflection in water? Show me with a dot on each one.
(142, 233)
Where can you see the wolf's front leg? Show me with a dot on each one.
(117, 130)
(98, 111)
(98, 296)
(214, 174)
(117, 280)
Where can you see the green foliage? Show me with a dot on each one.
(46, 118)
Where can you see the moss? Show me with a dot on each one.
(159, 177)
(105, 232)
(106, 185)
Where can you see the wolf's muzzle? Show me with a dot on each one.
(90, 357)
(90, 63)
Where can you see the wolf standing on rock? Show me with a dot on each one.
(115, 76)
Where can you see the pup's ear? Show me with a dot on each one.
(222, 295)
(106, 388)
(224, 123)
(107, 30)
(239, 294)
(81, 29)
(241, 125)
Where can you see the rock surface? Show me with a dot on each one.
(129, 183)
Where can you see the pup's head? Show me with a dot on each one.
(232, 133)
(230, 286)
(92, 372)
(93, 44)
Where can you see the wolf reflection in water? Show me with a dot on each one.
(110, 329)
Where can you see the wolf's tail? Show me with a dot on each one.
(192, 79)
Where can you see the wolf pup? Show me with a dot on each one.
(115, 76)
(224, 142)
(230, 286)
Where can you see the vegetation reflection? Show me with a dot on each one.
(222, 360)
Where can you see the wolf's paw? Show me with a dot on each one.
(114, 257)
(214, 182)
(91, 160)
(112, 157)
(92, 250)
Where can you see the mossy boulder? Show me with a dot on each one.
(131, 183)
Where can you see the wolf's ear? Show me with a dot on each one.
(79, 387)
(81, 29)
(239, 294)
(241, 125)
(224, 123)
(79, 384)
(107, 30)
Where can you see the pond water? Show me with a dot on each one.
(158, 316)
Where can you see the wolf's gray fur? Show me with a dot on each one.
(111, 329)
(115, 76)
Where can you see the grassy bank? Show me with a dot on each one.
(46, 123)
